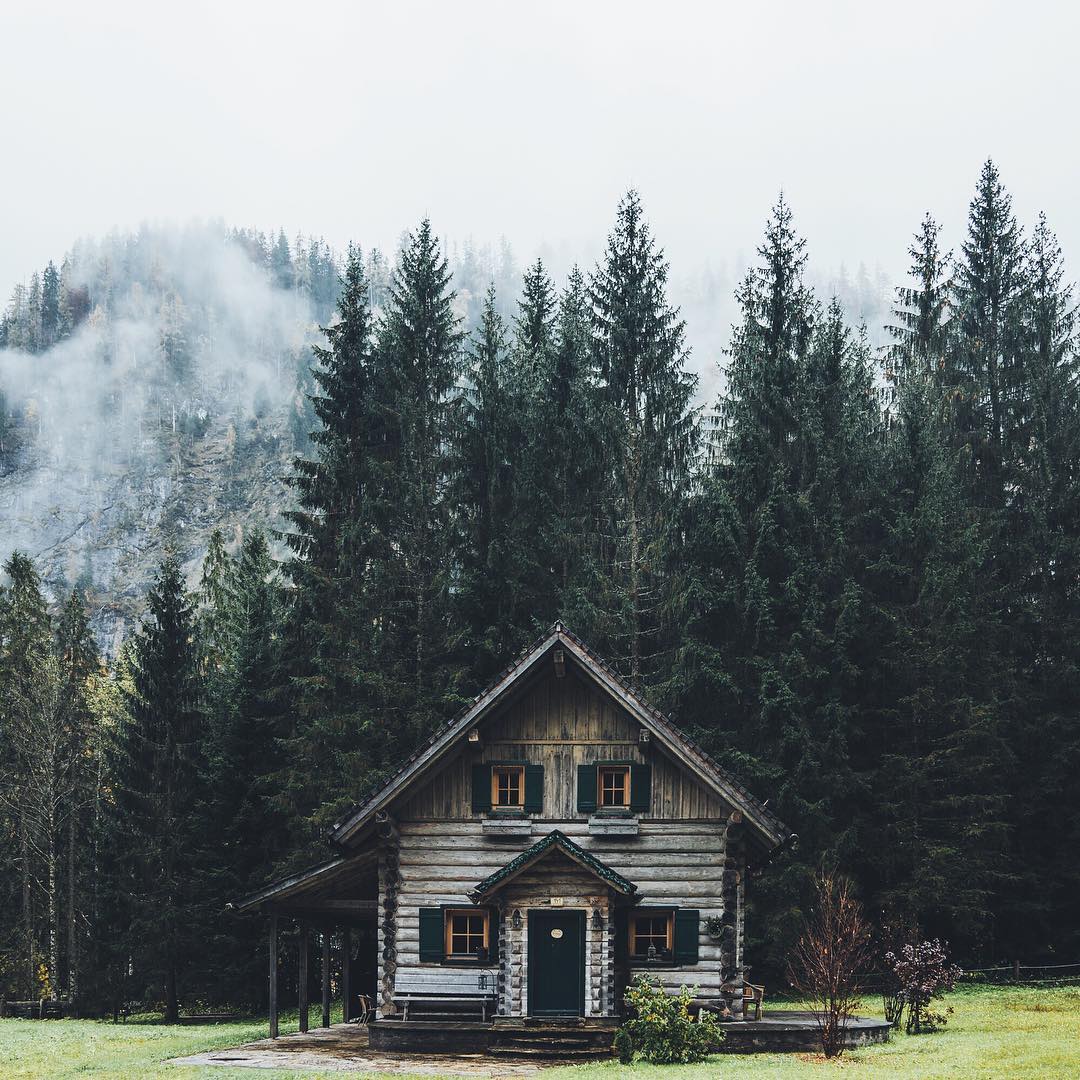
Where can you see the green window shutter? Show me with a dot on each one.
(687, 924)
(641, 788)
(534, 787)
(586, 788)
(481, 788)
(431, 935)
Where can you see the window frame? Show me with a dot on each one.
(668, 954)
(601, 771)
(519, 772)
(484, 914)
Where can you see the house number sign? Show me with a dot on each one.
(556, 933)
(556, 901)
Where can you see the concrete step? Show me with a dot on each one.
(557, 1051)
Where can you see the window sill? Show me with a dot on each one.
(613, 823)
(507, 824)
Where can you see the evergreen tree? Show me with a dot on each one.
(568, 442)
(419, 361)
(496, 593)
(327, 761)
(650, 432)
(79, 673)
(936, 829)
(27, 706)
(987, 362)
(155, 774)
(50, 305)
(768, 674)
(921, 331)
(1042, 545)
(239, 628)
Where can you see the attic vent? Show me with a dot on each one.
(560, 663)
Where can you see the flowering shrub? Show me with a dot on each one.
(923, 974)
(662, 1029)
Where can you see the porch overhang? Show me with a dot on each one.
(343, 887)
(555, 841)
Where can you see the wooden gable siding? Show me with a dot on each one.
(559, 724)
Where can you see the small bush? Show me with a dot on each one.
(662, 1029)
(923, 973)
(624, 1046)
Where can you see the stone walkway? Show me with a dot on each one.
(344, 1048)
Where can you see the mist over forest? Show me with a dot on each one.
(153, 384)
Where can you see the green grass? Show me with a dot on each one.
(993, 1033)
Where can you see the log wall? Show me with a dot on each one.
(678, 857)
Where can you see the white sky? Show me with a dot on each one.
(529, 119)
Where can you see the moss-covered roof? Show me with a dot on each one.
(559, 840)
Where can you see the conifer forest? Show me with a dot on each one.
(272, 513)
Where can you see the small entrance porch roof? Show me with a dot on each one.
(555, 841)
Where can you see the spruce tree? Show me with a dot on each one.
(650, 431)
(1042, 545)
(156, 769)
(936, 827)
(26, 693)
(419, 370)
(986, 367)
(331, 666)
(921, 331)
(50, 305)
(79, 673)
(496, 594)
(242, 833)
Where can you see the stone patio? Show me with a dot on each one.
(344, 1048)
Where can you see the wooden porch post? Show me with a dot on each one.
(302, 977)
(326, 977)
(346, 980)
(273, 978)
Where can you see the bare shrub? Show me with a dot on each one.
(829, 957)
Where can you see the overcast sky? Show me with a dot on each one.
(528, 120)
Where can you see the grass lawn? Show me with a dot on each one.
(992, 1033)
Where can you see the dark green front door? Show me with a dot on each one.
(556, 963)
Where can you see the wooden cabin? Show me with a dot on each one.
(558, 837)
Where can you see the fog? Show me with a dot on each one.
(528, 121)
(124, 446)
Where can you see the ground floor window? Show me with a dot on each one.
(468, 933)
(651, 934)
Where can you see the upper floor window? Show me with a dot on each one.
(508, 785)
(614, 785)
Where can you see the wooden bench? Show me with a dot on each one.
(42, 1009)
(448, 990)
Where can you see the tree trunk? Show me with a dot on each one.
(27, 901)
(72, 917)
(172, 1004)
(54, 906)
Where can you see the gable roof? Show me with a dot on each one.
(766, 827)
(554, 841)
